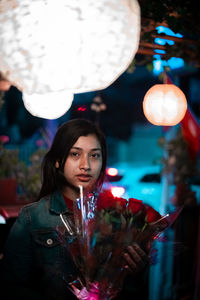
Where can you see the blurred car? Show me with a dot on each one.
(144, 182)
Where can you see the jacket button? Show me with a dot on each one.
(49, 242)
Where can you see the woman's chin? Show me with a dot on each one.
(87, 186)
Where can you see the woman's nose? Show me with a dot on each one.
(85, 163)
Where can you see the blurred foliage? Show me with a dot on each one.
(10, 164)
(27, 175)
(181, 17)
(180, 169)
(178, 161)
(29, 178)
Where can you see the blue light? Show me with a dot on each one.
(175, 62)
(157, 56)
(168, 31)
(162, 42)
(159, 51)
(157, 66)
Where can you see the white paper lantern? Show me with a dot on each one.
(49, 106)
(77, 46)
(164, 104)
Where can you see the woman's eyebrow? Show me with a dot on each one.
(96, 149)
(93, 149)
(78, 148)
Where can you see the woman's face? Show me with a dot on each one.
(83, 165)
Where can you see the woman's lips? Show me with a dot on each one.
(83, 178)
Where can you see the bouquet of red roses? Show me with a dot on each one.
(104, 226)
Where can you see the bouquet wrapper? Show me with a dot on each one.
(102, 228)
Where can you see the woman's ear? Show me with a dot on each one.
(57, 164)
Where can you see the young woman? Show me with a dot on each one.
(35, 264)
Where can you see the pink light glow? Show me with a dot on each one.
(117, 191)
(112, 171)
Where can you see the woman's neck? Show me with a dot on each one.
(71, 193)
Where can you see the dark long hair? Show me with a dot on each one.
(66, 136)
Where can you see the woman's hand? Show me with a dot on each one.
(135, 259)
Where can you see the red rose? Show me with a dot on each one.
(106, 200)
(121, 203)
(135, 205)
(152, 215)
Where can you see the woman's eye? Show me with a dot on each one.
(96, 155)
(74, 154)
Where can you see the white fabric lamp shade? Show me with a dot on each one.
(49, 106)
(76, 46)
(164, 104)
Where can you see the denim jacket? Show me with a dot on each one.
(36, 266)
(35, 260)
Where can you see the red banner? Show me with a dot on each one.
(189, 126)
(167, 79)
(191, 133)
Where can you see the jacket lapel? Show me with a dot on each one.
(57, 204)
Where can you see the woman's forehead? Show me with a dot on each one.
(87, 142)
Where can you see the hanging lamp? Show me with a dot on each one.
(164, 105)
(66, 46)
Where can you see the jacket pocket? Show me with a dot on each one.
(46, 238)
(47, 248)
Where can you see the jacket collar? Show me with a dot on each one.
(57, 204)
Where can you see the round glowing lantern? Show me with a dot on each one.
(164, 105)
(48, 106)
(73, 46)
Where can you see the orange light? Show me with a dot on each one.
(164, 105)
(117, 191)
(112, 171)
